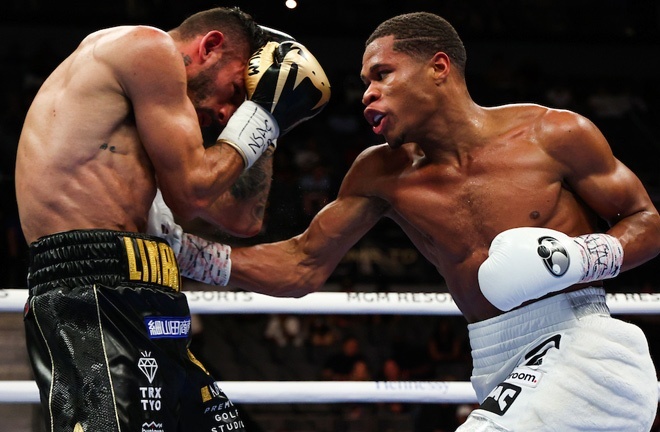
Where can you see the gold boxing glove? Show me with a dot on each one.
(285, 86)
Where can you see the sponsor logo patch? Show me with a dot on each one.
(151, 261)
(160, 327)
(150, 396)
(525, 377)
(152, 427)
(535, 356)
(148, 365)
(554, 255)
(212, 391)
(501, 398)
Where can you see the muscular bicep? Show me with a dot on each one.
(337, 227)
(613, 194)
(340, 224)
(611, 190)
(605, 184)
(303, 263)
(154, 79)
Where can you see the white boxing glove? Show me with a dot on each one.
(527, 263)
(161, 223)
(199, 259)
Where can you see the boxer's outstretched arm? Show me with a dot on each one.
(292, 267)
(302, 264)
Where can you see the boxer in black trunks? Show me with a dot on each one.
(117, 294)
(107, 326)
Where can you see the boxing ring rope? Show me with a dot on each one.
(402, 303)
(304, 392)
(283, 392)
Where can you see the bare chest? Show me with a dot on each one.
(452, 215)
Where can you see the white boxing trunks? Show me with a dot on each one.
(562, 364)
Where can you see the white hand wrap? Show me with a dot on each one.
(250, 130)
(602, 256)
(198, 259)
(527, 263)
(204, 261)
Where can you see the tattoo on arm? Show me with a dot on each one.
(255, 182)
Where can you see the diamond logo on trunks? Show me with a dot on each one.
(148, 365)
(501, 398)
(554, 255)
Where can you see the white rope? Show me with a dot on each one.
(305, 392)
(409, 303)
(274, 392)
(13, 300)
(279, 392)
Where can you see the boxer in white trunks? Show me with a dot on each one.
(523, 209)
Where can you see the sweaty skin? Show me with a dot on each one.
(453, 176)
(117, 114)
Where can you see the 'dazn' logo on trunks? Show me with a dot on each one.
(151, 261)
(501, 398)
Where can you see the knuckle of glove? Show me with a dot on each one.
(287, 80)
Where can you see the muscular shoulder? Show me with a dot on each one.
(563, 126)
(570, 137)
(135, 53)
(120, 44)
(376, 167)
(382, 160)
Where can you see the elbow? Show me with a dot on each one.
(305, 284)
(241, 227)
(188, 210)
(186, 204)
(652, 231)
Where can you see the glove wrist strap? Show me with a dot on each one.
(250, 131)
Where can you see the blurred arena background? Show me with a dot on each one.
(599, 58)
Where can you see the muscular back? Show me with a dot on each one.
(80, 162)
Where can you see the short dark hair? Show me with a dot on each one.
(235, 23)
(421, 35)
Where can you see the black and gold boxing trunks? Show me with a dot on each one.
(108, 330)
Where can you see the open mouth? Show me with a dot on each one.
(375, 119)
